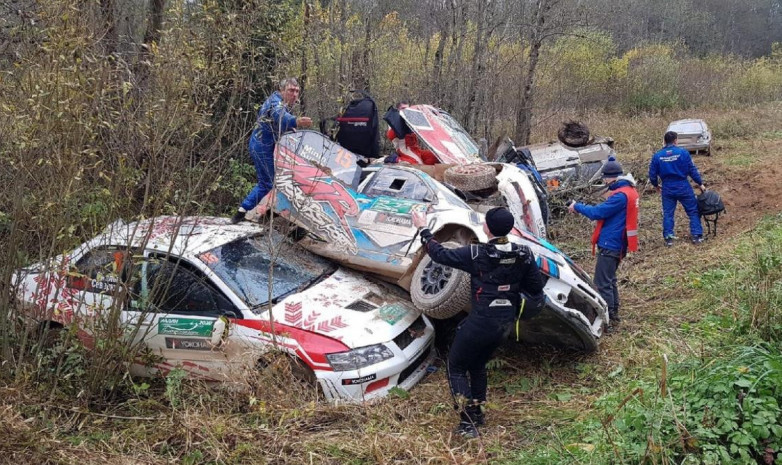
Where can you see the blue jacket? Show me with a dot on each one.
(274, 119)
(614, 212)
(672, 165)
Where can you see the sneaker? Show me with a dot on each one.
(238, 217)
(697, 240)
(669, 242)
(467, 430)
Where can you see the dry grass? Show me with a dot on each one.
(534, 393)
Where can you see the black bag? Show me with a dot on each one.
(710, 203)
(709, 208)
(359, 130)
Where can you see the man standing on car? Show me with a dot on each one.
(673, 165)
(616, 231)
(274, 119)
(501, 273)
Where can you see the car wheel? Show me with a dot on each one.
(438, 290)
(472, 177)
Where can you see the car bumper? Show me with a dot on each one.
(403, 371)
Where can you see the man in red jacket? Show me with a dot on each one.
(616, 231)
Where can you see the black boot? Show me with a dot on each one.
(467, 427)
(238, 216)
(475, 412)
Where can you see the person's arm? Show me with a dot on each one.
(613, 205)
(692, 170)
(459, 258)
(653, 171)
(282, 120)
(532, 281)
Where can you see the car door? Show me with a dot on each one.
(180, 316)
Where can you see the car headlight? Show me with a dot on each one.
(359, 358)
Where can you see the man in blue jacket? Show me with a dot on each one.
(274, 119)
(673, 165)
(616, 231)
(502, 274)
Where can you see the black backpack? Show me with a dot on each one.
(358, 127)
(710, 203)
(709, 208)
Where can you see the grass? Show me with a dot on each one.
(546, 406)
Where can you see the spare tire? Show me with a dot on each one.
(474, 177)
(438, 290)
(573, 134)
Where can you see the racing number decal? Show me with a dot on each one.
(343, 159)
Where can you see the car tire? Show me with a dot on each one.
(472, 177)
(438, 290)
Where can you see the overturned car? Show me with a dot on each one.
(362, 218)
(212, 299)
(571, 163)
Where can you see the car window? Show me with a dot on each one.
(395, 182)
(100, 270)
(687, 128)
(247, 265)
(169, 287)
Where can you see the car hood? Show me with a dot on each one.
(350, 308)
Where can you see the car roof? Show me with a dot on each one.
(184, 236)
(686, 121)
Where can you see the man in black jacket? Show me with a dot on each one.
(503, 275)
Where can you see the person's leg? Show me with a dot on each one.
(605, 279)
(669, 208)
(690, 204)
(264, 170)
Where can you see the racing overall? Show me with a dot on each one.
(673, 165)
(499, 272)
(273, 121)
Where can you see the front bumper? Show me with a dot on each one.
(408, 366)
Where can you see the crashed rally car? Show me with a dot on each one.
(196, 292)
(362, 218)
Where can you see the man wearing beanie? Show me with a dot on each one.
(616, 231)
(500, 271)
(673, 165)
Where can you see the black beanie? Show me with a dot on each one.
(612, 168)
(499, 221)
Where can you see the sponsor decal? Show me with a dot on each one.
(396, 220)
(187, 344)
(504, 287)
(499, 303)
(363, 379)
(507, 261)
(185, 327)
(392, 313)
(388, 205)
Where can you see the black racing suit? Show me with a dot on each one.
(499, 271)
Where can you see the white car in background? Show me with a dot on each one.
(195, 291)
(693, 135)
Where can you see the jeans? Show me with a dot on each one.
(687, 199)
(264, 169)
(477, 337)
(605, 278)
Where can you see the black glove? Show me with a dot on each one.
(426, 235)
(532, 305)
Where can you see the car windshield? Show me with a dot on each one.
(687, 128)
(245, 266)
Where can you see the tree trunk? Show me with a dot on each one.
(110, 38)
(304, 46)
(524, 110)
(476, 70)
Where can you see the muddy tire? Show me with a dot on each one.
(573, 134)
(440, 291)
(473, 177)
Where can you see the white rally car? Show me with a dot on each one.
(196, 292)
